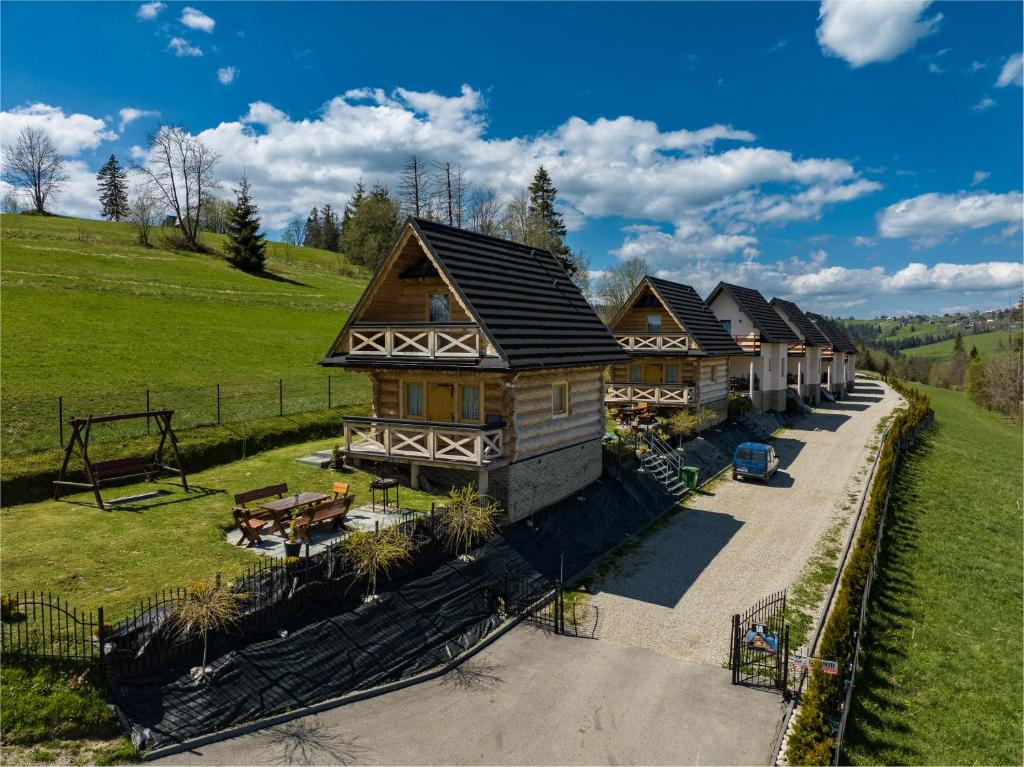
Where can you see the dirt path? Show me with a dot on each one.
(744, 540)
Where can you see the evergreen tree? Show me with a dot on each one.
(330, 231)
(313, 229)
(370, 226)
(246, 247)
(974, 352)
(549, 220)
(358, 195)
(113, 189)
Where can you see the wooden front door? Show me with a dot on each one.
(441, 402)
(652, 372)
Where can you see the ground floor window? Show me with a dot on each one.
(414, 400)
(672, 374)
(636, 373)
(560, 399)
(470, 403)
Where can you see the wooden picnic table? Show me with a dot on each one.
(281, 508)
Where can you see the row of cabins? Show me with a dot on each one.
(489, 365)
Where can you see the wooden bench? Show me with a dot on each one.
(334, 511)
(123, 468)
(250, 522)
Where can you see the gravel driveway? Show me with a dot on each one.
(742, 541)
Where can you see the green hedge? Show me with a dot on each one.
(28, 478)
(811, 740)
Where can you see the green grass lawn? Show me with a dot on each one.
(94, 558)
(940, 678)
(941, 351)
(86, 311)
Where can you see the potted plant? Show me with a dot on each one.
(292, 547)
(338, 463)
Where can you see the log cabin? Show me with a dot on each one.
(839, 359)
(765, 339)
(487, 365)
(679, 353)
(804, 359)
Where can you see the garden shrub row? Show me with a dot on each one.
(28, 478)
(811, 741)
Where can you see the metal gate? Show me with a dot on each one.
(546, 606)
(759, 648)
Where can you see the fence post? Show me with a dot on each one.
(99, 633)
(785, 663)
(280, 396)
(148, 408)
(328, 392)
(60, 419)
(735, 649)
(218, 404)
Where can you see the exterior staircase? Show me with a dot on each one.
(663, 463)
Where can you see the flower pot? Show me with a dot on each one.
(292, 549)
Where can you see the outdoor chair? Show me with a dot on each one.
(249, 526)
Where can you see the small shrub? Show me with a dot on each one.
(469, 518)
(375, 554)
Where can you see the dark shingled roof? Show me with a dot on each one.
(812, 336)
(835, 334)
(772, 327)
(522, 298)
(694, 315)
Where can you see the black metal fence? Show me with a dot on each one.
(39, 423)
(43, 626)
(759, 645)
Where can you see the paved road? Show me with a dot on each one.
(745, 540)
(532, 698)
(652, 690)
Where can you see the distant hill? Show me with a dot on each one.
(986, 343)
(86, 309)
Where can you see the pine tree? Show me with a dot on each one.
(246, 247)
(370, 226)
(313, 229)
(552, 228)
(113, 189)
(330, 231)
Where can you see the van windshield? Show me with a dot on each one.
(749, 454)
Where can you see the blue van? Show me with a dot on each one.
(755, 459)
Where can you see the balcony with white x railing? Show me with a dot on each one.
(677, 343)
(651, 393)
(469, 444)
(428, 341)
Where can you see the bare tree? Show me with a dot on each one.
(295, 231)
(485, 212)
(182, 168)
(145, 206)
(618, 282)
(9, 204)
(450, 191)
(516, 221)
(414, 187)
(33, 164)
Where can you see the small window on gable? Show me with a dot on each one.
(414, 400)
(653, 323)
(560, 399)
(727, 326)
(440, 309)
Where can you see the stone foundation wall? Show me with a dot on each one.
(774, 399)
(528, 486)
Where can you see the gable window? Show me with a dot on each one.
(471, 403)
(636, 373)
(653, 323)
(672, 373)
(414, 400)
(440, 309)
(560, 399)
(727, 326)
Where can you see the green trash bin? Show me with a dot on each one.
(689, 476)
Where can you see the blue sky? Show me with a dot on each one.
(793, 147)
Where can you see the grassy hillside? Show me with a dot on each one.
(940, 676)
(85, 308)
(941, 351)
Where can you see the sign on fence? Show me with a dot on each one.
(803, 663)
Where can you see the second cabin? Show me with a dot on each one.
(487, 365)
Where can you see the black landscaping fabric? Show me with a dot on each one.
(328, 643)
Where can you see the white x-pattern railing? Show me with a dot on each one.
(432, 342)
(409, 439)
(655, 394)
(656, 342)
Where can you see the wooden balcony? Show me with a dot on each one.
(428, 341)
(749, 344)
(678, 343)
(826, 353)
(797, 350)
(472, 445)
(654, 394)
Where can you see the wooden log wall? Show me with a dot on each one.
(714, 379)
(635, 321)
(387, 391)
(537, 430)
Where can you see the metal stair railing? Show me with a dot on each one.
(664, 463)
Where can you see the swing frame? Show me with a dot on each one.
(98, 473)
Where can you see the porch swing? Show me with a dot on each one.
(98, 473)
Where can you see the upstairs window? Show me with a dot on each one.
(414, 400)
(440, 309)
(727, 326)
(636, 373)
(653, 323)
(560, 399)
(672, 374)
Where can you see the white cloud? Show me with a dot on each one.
(70, 133)
(985, 103)
(929, 218)
(980, 176)
(196, 19)
(865, 31)
(864, 242)
(226, 75)
(1012, 72)
(131, 114)
(149, 11)
(183, 47)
